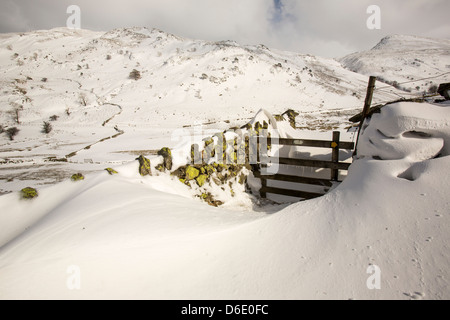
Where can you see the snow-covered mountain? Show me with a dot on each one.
(81, 80)
(404, 60)
(198, 80)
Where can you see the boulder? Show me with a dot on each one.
(191, 173)
(167, 155)
(201, 180)
(77, 177)
(180, 173)
(209, 199)
(242, 178)
(28, 193)
(144, 166)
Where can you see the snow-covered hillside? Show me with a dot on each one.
(110, 97)
(127, 237)
(404, 60)
(81, 80)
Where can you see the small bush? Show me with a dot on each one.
(135, 74)
(12, 132)
(44, 79)
(108, 57)
(54, 117)
(68, 112)
(47, 127)
(433, 89)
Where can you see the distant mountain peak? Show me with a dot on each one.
(410, 42)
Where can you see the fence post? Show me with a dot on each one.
(262, 192)
(367, 103)
(335, 154)
(224, 148)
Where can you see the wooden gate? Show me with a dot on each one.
(335, 144)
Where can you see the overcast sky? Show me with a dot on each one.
(329, 28)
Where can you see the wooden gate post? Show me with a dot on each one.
(335, 154)
(367, 104)
(262, 191)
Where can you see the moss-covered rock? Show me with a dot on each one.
(180, 173)
(248, 126)
(160, 167)
(201, 180)
(278, 117)
(192, 173)
(208, 198)
(28, 193)
(291, 114)
(242, 178)
(222, 177)
(258, 127)
(167, 155)
(111, 171)
(77, 177)
(209, 142)
(233, 194)
(209, 169)
(144, 166)
(219, 167)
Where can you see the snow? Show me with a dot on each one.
(407, 130)
(134, 237)
(406, 60)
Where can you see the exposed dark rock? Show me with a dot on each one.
(28, 193)
(144, 166)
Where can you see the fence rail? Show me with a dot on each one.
(335, 165)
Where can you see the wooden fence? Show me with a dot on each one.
(335, 144)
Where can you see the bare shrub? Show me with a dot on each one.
(433, 89)
(12, 132)
(135, 74)
(47, 127)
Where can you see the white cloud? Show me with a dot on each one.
(323, 27)
(11, 17)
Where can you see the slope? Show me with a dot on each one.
(403, 61)
(140, 240)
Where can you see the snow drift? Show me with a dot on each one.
(132, 237)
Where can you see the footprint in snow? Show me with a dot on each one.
(415, 295)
